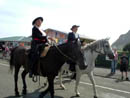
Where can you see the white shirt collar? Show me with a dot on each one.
(36, 26)
(44, 34)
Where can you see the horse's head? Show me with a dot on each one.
(106, 48)
(75, 53)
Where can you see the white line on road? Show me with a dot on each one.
(103, 87)
(6, 65)
(117, 90)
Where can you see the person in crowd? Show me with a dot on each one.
(6, 51)
(124, 62)
(114, 62)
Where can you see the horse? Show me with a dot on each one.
(49, 65)
(91, 52)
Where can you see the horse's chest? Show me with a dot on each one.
(50, 68)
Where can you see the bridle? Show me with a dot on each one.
(100, 51)
(66, 56)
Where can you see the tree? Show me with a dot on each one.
(127, 47)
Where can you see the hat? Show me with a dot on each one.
(74, 26)
(36, 20)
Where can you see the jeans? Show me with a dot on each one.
(113, 66)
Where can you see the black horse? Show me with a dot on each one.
(49, 65)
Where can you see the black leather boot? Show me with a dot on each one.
(30, 74)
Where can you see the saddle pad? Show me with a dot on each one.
(45, 51)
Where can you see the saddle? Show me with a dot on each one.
(45, 51)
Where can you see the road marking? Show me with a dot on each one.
(6, 65)
(117, 90)
(103, 87)
(110, 95)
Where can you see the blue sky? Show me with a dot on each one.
(97, 18)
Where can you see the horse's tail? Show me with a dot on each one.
(12, 59)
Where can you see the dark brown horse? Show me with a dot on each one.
(19, 58)
(49, 65)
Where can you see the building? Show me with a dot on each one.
(15, 41)
(58, 35)
(62, 36)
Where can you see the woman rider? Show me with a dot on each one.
(39, 40)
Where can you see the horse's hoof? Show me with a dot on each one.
(95, 97)
(77, 95)
(17, 94)
(40, 96)
(24, 92)
(63, 87)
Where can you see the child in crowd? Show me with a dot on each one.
(124, 65)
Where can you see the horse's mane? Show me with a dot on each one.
(92, 45)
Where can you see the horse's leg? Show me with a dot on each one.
(93, 82)
(24, 73)
(50, 88)
(51, 85)
(42, 94)
(60, 78)
(68, 71)
(17, 67)
(78, 75)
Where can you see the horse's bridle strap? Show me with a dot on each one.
(63, 53)
(99, 51)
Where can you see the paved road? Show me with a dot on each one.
(106, 87)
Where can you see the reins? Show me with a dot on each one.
(63, 53)
(103, 50)
(34, 78)
(97, 51)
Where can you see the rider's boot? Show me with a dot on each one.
(30, 74)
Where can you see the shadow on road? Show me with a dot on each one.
(118, 80)
(63, 81)
(34, 94)
(110, 76)
(74, 97)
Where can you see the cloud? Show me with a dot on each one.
(2, 2)
(97, 18)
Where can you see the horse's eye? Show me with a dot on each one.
(107, 46)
